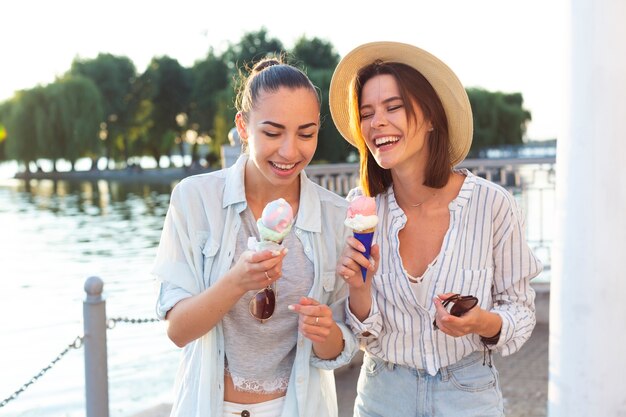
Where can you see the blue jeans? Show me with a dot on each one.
(464, 389)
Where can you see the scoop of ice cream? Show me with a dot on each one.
(361, 214)
(276, 220)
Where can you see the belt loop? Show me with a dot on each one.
(445, 375)
(390, 365)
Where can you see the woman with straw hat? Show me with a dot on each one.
(449, 277)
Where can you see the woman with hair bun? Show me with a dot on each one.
(261, 330)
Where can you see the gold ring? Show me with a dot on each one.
(267, 276)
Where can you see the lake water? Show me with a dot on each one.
(53, 235)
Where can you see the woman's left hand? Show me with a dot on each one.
(456, 326)
(316, 320)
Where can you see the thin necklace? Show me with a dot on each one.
(419, 204)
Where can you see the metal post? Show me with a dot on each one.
(95, 342)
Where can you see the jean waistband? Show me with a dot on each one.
(468, 360)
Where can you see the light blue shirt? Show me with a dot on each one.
(484, 253)
(197, 248)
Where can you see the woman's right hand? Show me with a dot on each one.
(351, 261)
(349, 267)
(257, 270)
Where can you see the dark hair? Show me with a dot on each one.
(414, 88)
(269, 74)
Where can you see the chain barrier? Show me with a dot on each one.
(76, 344)
(113, 321)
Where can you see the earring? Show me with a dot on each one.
(431, 129)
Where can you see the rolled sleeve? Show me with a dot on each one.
(371, 327)
(169, 296)
(350, 349)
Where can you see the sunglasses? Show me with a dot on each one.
(461, 304)
(263, 303)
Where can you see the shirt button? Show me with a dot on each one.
(300, 380)
(298, 231)
(307, 249)
(245, 413)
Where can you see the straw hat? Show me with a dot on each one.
(449, 88)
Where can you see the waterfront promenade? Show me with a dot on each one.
(523, 378)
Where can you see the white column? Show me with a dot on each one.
(588, 288)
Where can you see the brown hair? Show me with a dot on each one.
(414, 88)
(269, 74)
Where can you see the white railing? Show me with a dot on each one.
(340, 178)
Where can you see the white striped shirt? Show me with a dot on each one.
(484, 253)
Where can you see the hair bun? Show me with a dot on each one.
(265, 63)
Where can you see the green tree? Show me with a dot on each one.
(210, 77)
(167, 85)
(75, 112)
(499, 119)
(4, 116)
(252, 47)
(319, 59)
(114, 77)
(21, 132)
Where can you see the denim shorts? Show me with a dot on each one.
(464, 389)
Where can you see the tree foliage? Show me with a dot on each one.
(499, 119)
(167, 85)
(5, 109)
(209, 77)
(319, 59)
(78, 112)
(155, 112)
(252, 47)
(114, 76)
(21, 132)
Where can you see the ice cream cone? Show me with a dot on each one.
(274, 225)
(365, 238)
(362, 219)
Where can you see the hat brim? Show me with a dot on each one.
(445, 82)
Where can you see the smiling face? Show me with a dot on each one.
(281, 136)
(394, 139)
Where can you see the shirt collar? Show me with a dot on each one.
(309, 211)
(234, 191)
(465, 193)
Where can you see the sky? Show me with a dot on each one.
(498, 45)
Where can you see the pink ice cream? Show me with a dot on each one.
(276, 221)
(362, 219)
(361, 215)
